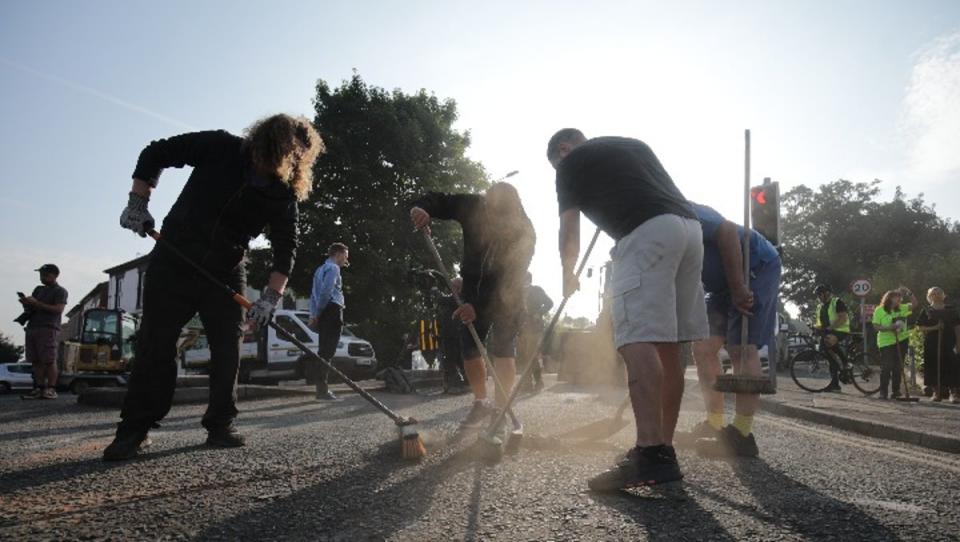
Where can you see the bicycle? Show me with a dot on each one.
(810, 367)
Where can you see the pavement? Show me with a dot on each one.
(332, 471)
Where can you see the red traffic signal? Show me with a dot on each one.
(765, 210)
(759, 195)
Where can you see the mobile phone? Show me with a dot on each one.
(20, 295)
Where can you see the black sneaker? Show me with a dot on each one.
(729, 443)
(834, 386)
(699, 431)
(225, 437)
(481, 411)
(126, 445)
(641, 467)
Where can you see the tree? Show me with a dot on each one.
(9, 352)
(840, 232)
(384, 149)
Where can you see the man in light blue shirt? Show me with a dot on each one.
(326, 311)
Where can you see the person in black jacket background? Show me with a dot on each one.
(239, 187)
(498, 244)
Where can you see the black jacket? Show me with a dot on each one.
(495, 255)
(223, 204)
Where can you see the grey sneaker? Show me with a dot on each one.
(35, 393)
(482, 409)
(647, 466)
(49, 393)
(699, 431)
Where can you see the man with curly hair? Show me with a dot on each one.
(239, 187)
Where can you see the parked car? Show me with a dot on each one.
(267, 355)
(15, 375)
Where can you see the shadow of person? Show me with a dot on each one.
(666, 512)
(59, 472)
(788, 503)
(372, 502)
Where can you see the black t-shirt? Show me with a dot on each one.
(53, 294)
(619, 184)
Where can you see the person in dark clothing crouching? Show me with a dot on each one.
(239, 187)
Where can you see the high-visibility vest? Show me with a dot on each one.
(832, 315)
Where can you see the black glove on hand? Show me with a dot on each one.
(262, 310)
(136, 217)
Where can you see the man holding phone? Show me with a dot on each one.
(42, 310)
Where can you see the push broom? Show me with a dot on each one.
(491, 443)
(906, 398)
(411, 443)
(734, 383)
(518, 431)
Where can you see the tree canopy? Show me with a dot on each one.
(9, 352)
(384, 149)
(841, 231)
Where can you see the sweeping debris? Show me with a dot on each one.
(412, 446)
(489, 439)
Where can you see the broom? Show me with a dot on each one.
(411, 443)
(744, 383)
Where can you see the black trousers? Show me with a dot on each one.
(329, 328)
(172, 294)
(452, 358)
(891, 367)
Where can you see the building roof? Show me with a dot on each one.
(132, 264)
(98, 290)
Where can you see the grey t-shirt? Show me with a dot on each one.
(51, 295)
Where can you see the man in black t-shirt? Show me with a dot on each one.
(658, 299)
(44, 306)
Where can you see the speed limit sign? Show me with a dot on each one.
(860, 287)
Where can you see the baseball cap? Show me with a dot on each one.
(48, 268)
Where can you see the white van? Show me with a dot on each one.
(266, 355)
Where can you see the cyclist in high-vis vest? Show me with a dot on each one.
(833, 321)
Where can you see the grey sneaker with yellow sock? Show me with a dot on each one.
(730, 442)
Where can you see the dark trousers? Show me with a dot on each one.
(452, 358)
(835, 356)
(891, 368)
(329, 328)
(172, 294)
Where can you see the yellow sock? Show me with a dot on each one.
(744, 424)
(715, 419)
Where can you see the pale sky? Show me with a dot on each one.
(830, 89)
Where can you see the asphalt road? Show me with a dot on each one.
(332, 471)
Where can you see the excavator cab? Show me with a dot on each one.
(106, 342)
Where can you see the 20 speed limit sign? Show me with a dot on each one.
(860, 287)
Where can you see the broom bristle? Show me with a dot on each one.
(412, 444)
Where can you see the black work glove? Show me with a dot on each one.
(136, 217)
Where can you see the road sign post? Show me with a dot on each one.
(860, 288)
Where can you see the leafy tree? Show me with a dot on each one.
(9, 352)
(840, 232)
(384, 149)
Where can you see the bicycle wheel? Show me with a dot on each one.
(866, 373)
(810, 369)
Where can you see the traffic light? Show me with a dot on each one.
(765, 210)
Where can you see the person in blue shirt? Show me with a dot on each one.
(326, 311)
(727, 299)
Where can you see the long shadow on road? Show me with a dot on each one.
(355, 506)
(667, 513)
(804, 509)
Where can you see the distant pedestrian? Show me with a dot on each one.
(941, 326)
(43, 308)
(326, 312)
(890, 321)
(239, 188)
(538, 304)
